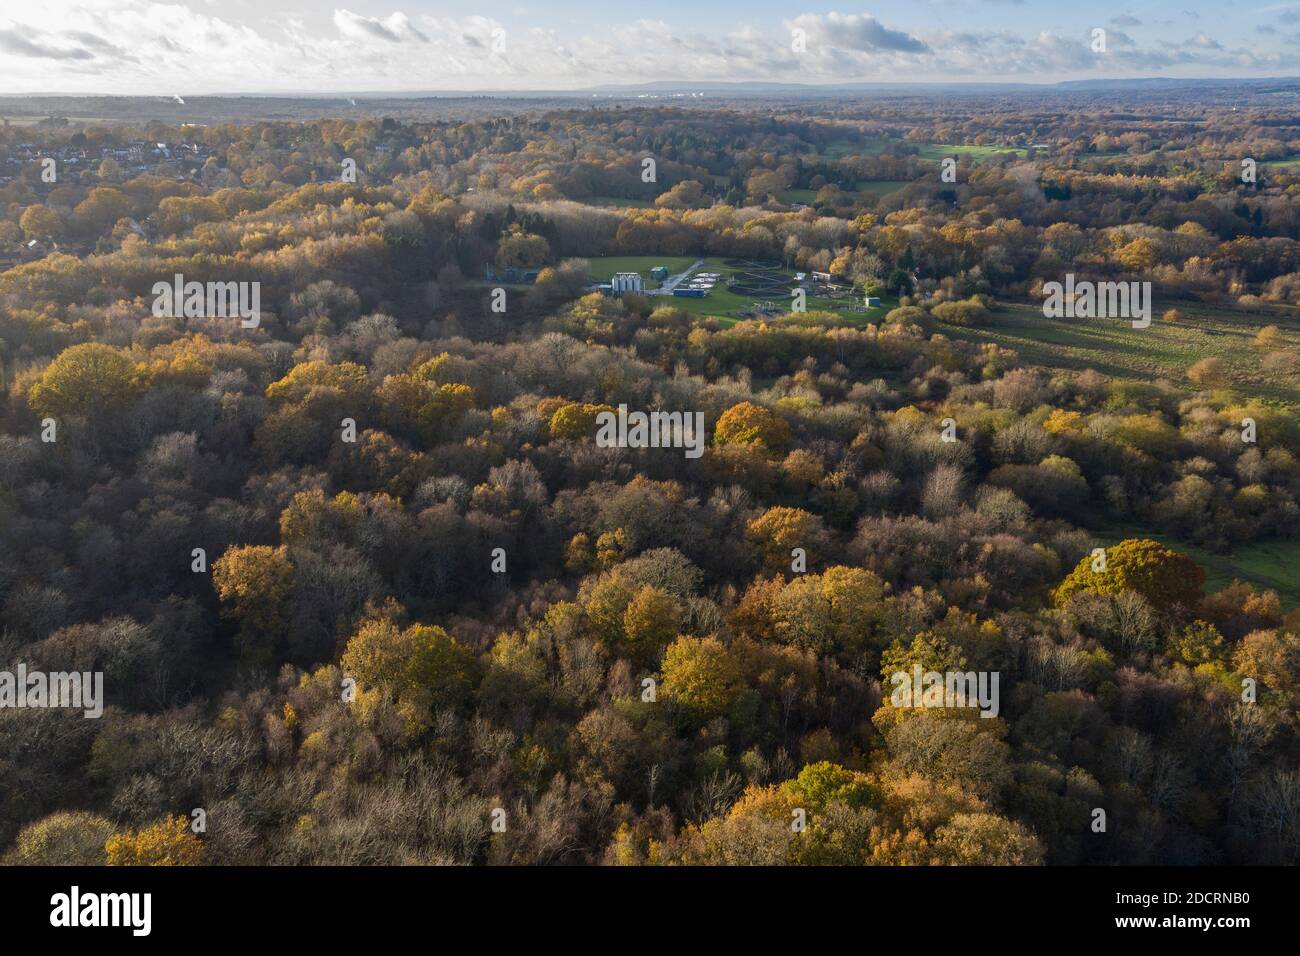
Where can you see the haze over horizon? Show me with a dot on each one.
(137, 47)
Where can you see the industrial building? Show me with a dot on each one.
(627, 282)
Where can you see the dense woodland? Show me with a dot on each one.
(480, 689)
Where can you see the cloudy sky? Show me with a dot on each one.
(229, 46)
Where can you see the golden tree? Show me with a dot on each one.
(166, 843)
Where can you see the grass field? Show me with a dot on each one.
(726, 305)
(721, 302)
(1113, 347)
(882, 187)
(604, 267)
(859, 146)
(615, 202)
(1267, 565)
(931, 151)
(873, 188)
(936, 152)
(33, 120)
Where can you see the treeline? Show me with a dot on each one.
(272, 199)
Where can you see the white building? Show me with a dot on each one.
(627, 282)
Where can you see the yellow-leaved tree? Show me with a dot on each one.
(750, 424)
(1162, 576)
(85, 379)
(700, 675)
(778, 531)
(255, 584)
(166, 843)
(421, 667)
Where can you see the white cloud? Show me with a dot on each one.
(141, 46)
(855, 32)
(395, 29)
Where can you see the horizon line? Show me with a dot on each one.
(653, 86)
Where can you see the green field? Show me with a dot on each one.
(721, 302)
(937, 152)
(1268, 565)
(858, 146)
(726, 305)
(72, 120)
(1116, 349)
(1163, 350)
(874, 146)
(616, 202)
(815, 304)
(604, 267)
(874, 188)
(882, 187)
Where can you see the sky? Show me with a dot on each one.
(194, 47)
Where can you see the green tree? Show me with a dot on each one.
(1198, 643)
(838, 610)
(422, 667)
(1162, 576)
(71, 838)
(522, 249)
(650, 621)
(820, 784)
(41, 222)
(87, 379)
(700, 675)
